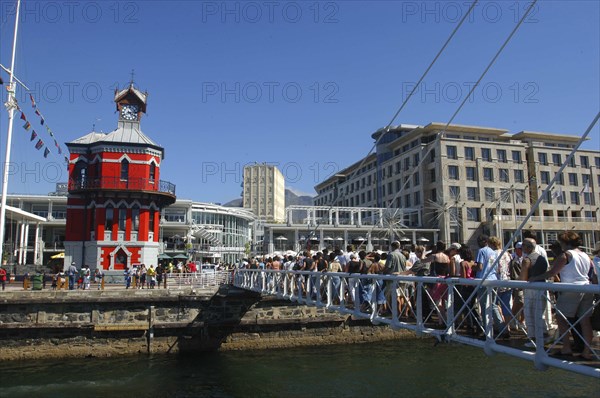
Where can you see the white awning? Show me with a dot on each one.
(16, 214)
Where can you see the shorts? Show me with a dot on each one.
(572, 304)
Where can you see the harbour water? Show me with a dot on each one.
(401, 368)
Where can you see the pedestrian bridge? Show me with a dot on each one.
(445, 308)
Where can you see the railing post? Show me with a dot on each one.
(318, 288)
(450, 308)
(329, 291)
(419, 330)
(540, 326)
(299, 286)
(394, 301)
(374, 305)
(357, 283)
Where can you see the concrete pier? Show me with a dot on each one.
(92, 323)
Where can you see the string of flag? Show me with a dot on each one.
(34, 135)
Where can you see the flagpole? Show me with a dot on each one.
(11, 104)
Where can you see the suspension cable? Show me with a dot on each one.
(386, 129)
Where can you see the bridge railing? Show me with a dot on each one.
(451, 309)
(199, 280)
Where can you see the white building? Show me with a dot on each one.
(474, 180)
(264, 192)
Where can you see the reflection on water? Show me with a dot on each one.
(400, 368)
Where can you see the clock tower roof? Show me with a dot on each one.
(131, 95)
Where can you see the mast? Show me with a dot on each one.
(11, 105)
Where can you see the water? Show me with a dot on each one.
(401, 368)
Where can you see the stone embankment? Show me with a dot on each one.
(62, 324)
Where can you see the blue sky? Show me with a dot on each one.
(299, 84)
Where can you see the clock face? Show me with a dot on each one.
(129, 112)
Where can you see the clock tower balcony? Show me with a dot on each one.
(164, 190)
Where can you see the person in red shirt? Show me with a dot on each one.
(3, 277)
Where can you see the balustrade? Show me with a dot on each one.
(442, 307)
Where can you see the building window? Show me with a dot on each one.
(585, 179)
(122, 217)
(490, 195)
(556, 160)
(451, 152)
(407, 200)
(151, 220)
(501, 156)
(470, 171)
(152, 172)
(572, 161)
(416, 159)
(432, 175)
(587, 198)
(124, 169)
(433, 196)
(406, 164)
(135, 218)
(453, 172)
(503, 173)
(597, 162)
(488, 174)
(473, 214)
(519, 196)
(432, 156)
(80, 173)
(472, 193)
(516, 157)
(543, 158)
(547, 198)
(416, 179)
(561, 179)
(486, 154)
(575, 198)
(469, 153)
(417, 196)
(573, 179)
(545, 177)
(109, 218)
(519, 176)
(454, 192)
(585, 162)
(505, 195)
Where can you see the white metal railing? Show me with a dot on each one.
(446, 308)
(198, 279)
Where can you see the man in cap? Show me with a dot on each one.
(72, 272)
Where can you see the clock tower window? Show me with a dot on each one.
(124, 169)
(152, 172)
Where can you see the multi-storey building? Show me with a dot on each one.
(473, 180)
(264, 192)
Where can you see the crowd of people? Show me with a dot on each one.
(512, 309)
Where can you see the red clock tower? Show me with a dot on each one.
(115, 192)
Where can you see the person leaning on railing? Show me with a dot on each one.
(574, 267)
(533, 265)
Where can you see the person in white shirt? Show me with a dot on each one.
(455, 260)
